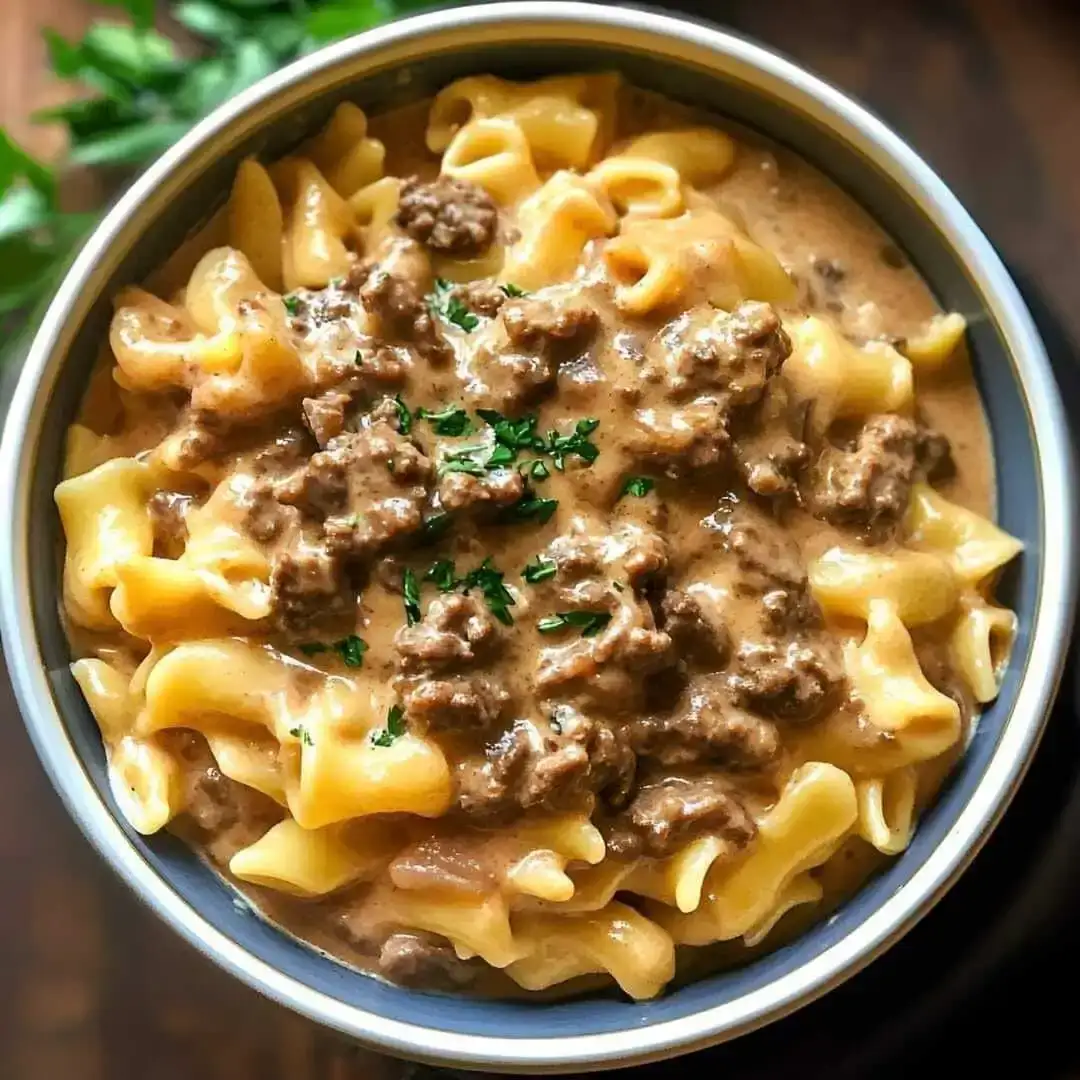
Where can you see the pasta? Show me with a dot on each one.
(509, 573)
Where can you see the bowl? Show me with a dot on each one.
(688, 62)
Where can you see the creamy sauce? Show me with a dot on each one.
(844, 268)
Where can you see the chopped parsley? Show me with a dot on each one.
(538, 470)
(465, 460)
(351, 649)
(512, 291)
(292, 305)
(513, 434)
(577, 442)
(435, 526)
(410, 593)
(450, 421)
(486, 577)
(639, 486)
(489, 581)
(358, 358)
(529, 508)
(589, 622)
(443, 574)
(395, 728)
(404, 417)
(300, 732)
(540, 569)
(452, 308)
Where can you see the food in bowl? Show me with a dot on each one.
(530, 532)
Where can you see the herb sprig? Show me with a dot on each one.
(589, 622)
(486, 577)
(145, 91)
(351, 649)
(395, 728)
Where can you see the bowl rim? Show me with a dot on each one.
(679, 39)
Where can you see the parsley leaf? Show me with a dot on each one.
(589, 622)
(464, 461)
(450, 421)
(451, 308)
(410, 592)
(395, 728)
(639, 486)
(292, 305)
(443, 574)
(489, 581)
(540, 569)
(577, 442)
(513, 291)
(300, 732)
(529, 508)
(351, 649)
(404, 417)
(513, 434)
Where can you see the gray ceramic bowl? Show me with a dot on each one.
(688, 62)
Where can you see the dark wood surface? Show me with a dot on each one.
(92, 987)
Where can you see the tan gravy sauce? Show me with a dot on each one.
(846, 269)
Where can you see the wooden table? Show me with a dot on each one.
(92, 986)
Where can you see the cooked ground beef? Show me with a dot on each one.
(684, 440)
(168, 516)
(454, 630)
(423, 961)
(544, 324)
(708, 728)
(522, 770)
(665, 816)
(368, 488)
(788, 680)
(459, 703)
(624, 553)
(698, 639)
(737, 353)
(453, 217)
(395, 291)
(500, 487)
(481, 297)
(325, 415)
(309, 588)
(869, 484)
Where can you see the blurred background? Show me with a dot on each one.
(94, 988)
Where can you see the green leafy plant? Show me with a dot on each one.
(145, 88)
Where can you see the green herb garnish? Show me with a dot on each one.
(410, 592)
(404, 417)
(540, 569)
(351, 649)
(513, 434)
(292, 305)
(640, 486)
(529, 508)
(443, 574)
(577, 442)
(589, 622)
(450, 421)
(465, 461)
(489, 581)
(513, 291)
(451, 308)
(538, 470)
(395, 728)
(300, 732)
